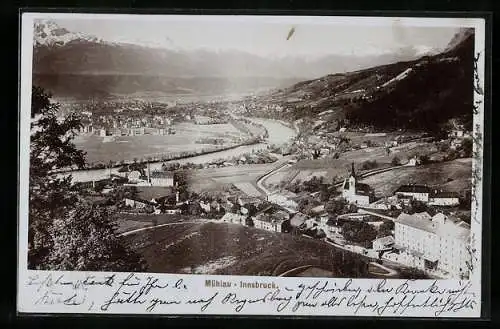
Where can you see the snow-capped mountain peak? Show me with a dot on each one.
(49, 33)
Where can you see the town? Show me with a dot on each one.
(415, 226)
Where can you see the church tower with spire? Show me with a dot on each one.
(354, 192)
(352, 182)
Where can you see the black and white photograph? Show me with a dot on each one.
(262, 148)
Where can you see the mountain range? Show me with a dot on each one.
(74, 64)
(418, 94)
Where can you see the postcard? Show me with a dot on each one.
(251, 165)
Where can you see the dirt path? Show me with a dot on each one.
(303, 267)
(390, 271)
(158, 226)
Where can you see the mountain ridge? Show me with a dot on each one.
(59, 53)
(421, 93)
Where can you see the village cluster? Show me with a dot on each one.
(436, 244)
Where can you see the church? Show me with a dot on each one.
(356, 193)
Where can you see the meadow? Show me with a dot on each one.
(231, 249)
(453, 176)
(129, 147)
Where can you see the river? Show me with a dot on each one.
(278, 134)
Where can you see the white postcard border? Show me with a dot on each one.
(94, 296)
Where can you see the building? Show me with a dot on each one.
(244, 200)
(168, 209)
(436, 244)
(332, 230)
(384, 243)
(413, 162)
(413, 191)
(357, 193)
(270, 223)
(162, 178)
(284, 199)
(318, 209)
(441, 198)
(205, 206)
(272, 218)
(134, 176)
(137, 203)
(299, 220)
(234, 218)
(323, 218)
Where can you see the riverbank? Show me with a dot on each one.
(170, 158)
(278, 134)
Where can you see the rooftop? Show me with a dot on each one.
(298, 219)
(443, 194)
(413, 188)
(445, 228)
(268, 218)
(385, 240)
(139, 200)
(361, 188)
(162, 174)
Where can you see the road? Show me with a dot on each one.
(260, 181)
(161, 225)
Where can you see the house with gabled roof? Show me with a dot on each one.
(414, 191)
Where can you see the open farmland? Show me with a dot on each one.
(130, 147)
(217, 248)
(248, 188)
(452, 176)
(208, 179)
(330, 168)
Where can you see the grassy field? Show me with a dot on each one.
(450, 176)
(211, 179)
(217, 248)
(127, 222)
(130, 147)
(150, 192)
(341, 167)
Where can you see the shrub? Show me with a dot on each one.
(424, 159)
(396, 161)
(367, 165)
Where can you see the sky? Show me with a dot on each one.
(266, 37)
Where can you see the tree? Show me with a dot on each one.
(424, 159)
(65, 231)
(85, 241)
(359, 232)
(336, 207)
(466, 147)
(50, 197)
(417, 206)
(324, 193)
(396, 161)
(367, 165)
(385, 229)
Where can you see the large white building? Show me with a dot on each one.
(271, 219)
(162, 178)
(441, 198)
(357, 193)
(414, 191)
(439, 243)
